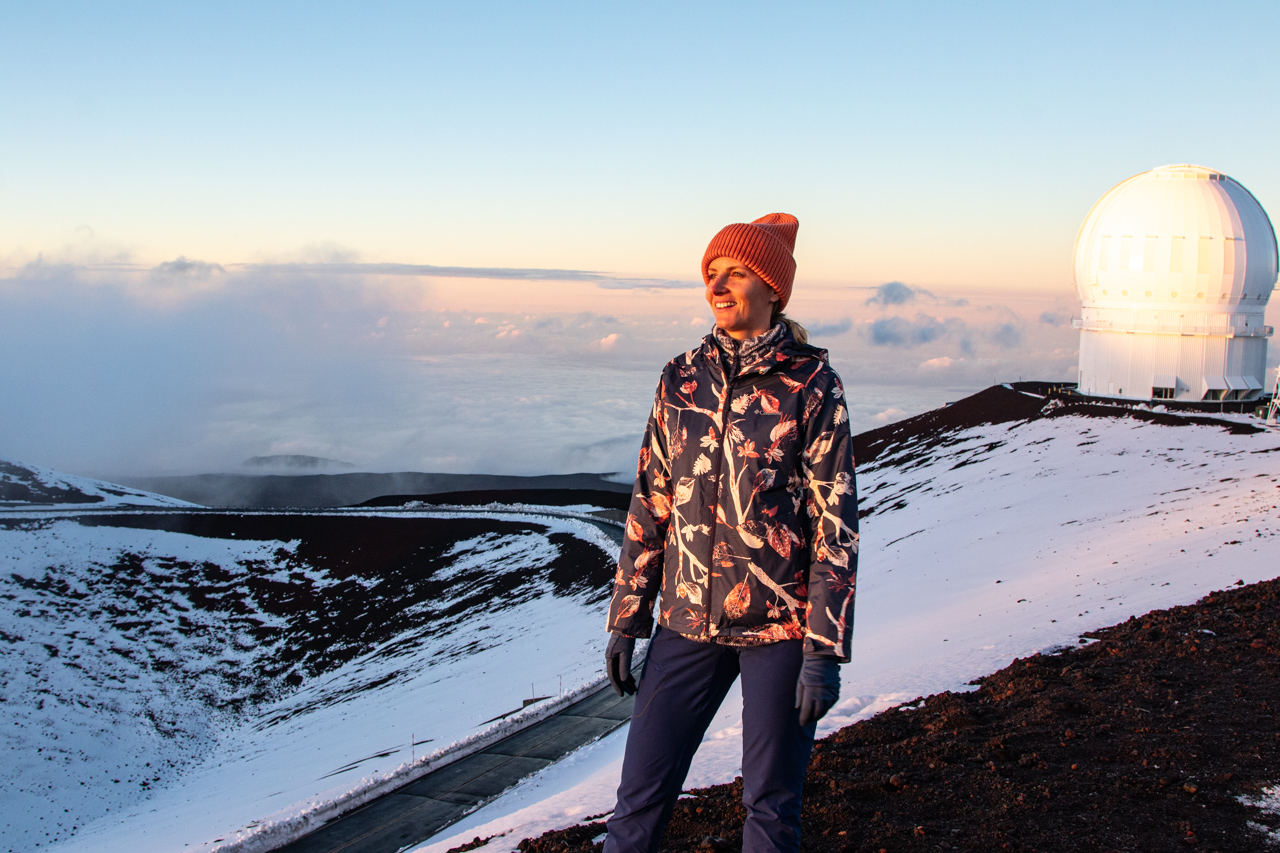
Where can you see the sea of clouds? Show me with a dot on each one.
(192, 366)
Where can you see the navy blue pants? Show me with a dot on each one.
(681, 689)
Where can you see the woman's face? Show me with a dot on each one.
(740, 300)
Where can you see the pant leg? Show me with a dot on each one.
(775, 747)
(683, 685)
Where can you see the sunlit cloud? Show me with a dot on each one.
(196, 366)
(893, 293)
(603, 280)
(889, 415)
(424, 270)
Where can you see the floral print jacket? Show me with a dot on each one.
(744, 511)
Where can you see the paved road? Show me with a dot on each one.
(420, 809)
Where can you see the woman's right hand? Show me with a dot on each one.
(617, 663)
(818, 687)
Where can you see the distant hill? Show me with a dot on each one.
(332, 490)
(540, 497)
(294, 463)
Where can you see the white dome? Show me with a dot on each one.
(1178, 237)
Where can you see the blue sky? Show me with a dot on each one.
(171, 175)
(942, 143)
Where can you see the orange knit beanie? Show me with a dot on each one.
(764, 246)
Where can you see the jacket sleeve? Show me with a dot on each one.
(832, 500)
(639, 576)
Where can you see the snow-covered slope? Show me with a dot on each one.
(170, 678)
(24, 485)
(983, 542)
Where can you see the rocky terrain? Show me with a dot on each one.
(1157, 734)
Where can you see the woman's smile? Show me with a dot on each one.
(741, 301)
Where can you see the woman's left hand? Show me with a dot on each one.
(818, 687)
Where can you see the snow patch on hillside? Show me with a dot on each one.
(23, 485)
(173, 691)
(116, 675)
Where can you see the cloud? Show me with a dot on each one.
(357, 269)
(893, 293)
(889, 415)
(902, 332)
(1059, 317)
(109, 375)
(112, 374)
(646, 283)
(182, 267)
(614, 455)
(345, 268)
(839, 327)
(1006, 335)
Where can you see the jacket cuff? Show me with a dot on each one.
(638, 632)
(814, 649)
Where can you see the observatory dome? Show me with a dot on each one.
(1176, 237)
(1174, 268)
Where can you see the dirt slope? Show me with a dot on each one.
(1004, 404)
(1145, 739)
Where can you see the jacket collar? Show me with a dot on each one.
(760, 354)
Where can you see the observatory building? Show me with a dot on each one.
(1174, 268)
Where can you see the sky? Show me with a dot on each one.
(465, 236)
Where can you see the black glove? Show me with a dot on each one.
(818, 687)
(617, 663)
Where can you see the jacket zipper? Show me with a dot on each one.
(724, 440)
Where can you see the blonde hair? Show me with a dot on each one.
(797, 331)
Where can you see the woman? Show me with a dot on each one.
(744, 515)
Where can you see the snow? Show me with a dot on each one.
(981, 545)
(995, 543)
(32, 486)
(92, 712)
(118, 667)
(1269, 803)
